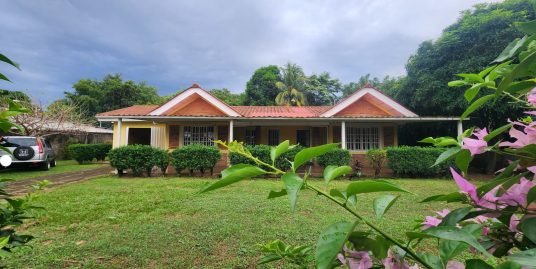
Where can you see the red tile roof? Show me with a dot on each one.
(137, 110)
(281, 111)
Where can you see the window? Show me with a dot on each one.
(203, 135)
(303, 137)
(250, 136)
(273, 137)
(362, 138)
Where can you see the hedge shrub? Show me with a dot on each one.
(376, 158)
(82, 152)
(416, 161)
(195, 157)
(263, 153)
(138, 158)
(87, 152)
(337, 157)
(161, 160)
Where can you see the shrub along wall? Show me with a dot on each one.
(337, 157)
(87, 152)
(416, 161)
(263, 153)
(195, 158)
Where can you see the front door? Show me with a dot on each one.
(303, 137)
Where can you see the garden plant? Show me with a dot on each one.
(497, 221)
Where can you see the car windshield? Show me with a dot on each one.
(19, 141)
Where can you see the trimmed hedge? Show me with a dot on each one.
(263, 153)
(138, 158)
(376, 158)
(416, 161)
(195, 157)
(87, 152)
(337, 157)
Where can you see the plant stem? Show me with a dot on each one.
(371, 225)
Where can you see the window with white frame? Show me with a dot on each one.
(203, 135)
(251, 136)
(273, 137)
(362, 138)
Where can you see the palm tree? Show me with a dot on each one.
(291, 86)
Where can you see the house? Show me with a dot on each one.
(365, 120)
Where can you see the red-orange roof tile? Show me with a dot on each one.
(137, 110)
(280, 111)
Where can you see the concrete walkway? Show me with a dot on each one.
(20, 187)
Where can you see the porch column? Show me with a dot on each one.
(343, 135)
(231, 127)
(460, 127)
(119, 127)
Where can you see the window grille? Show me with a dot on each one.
(362, 138)
(203, 135)
(251, 136)
(273, 137)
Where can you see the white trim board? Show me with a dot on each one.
(185, 94)
(356, 96)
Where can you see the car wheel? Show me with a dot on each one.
(45, 166)
(53, 163)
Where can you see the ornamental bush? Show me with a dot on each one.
(262, 152)
(138, 158)
(337, 157)
(195, 157)
(376, 158)
(416, 161)
(161, 160)
(82, 152)
(101, 151)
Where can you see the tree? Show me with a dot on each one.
(261, 89)
(232, 99)
(291, 86)
(96, 96)
(322, 89)
(467, 46)
(352, 87)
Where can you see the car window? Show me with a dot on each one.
(48, 144)
(20, 141)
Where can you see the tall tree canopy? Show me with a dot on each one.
(232, 99)
(96, 96)
(261, 89)
(291, 86)
(467, 46)
(322, 89)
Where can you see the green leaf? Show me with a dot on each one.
(471, 77)
(332, 172)
(444, 142)
(521, 87)
(293, 184)
(431, 260)
(5, 59)
(486, 71)
(330, 243)
(449, 249)
(449, 198)
(531, 196)
(234, 174)
(477, 264)
(518, 71)
(456, 234)
(275, 194)
(382, 204)
(524, 258)
(269, 258)
(508, 265)
(447, 155)
(372, 186)
(280, 149)
(528, 227)
(463, 159)
(497, 132)
(455, 216)
(471, 93)
(512, 49)
(2, 77)
(4, 240)
(429, 140)
(476, 104)
(310, 153)
(457, 83)
(527, 27)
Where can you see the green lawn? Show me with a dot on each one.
(61, 167)
(154, 222)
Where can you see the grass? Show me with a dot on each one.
(61, 167)
(153, 222)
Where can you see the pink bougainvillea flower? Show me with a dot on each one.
(514, 221)
(516, 195)
(443, 213)
(523, 138)
(489, 200)
(532, 169)
(455, 265)
(355, 259)
(476, 146)
(394, 262)
(430, 221)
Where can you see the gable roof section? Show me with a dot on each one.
(171, 105)
(136, 110)
(374, 97)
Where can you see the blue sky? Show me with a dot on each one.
(219, 44)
